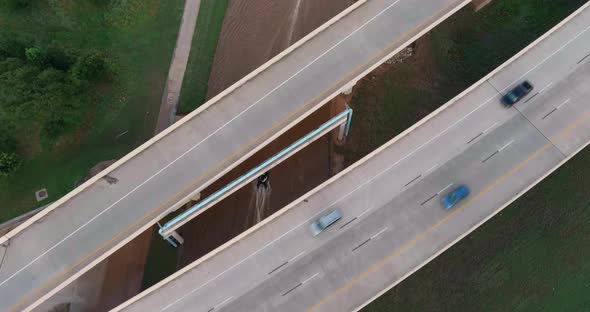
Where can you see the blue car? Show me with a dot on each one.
(455, 196)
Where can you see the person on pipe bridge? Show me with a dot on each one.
(263, 180)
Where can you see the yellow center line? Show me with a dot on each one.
(450, 215)
(281, 123)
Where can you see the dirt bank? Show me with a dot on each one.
(124, 272)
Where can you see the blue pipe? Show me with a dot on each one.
(171, 242)
(212, 197)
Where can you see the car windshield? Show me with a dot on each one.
(512, 96)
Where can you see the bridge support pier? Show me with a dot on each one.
(349, 87)
(177, 237)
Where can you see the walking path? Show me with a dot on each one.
(178, 65)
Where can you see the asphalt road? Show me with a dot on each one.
(393, 222)
(83, 229)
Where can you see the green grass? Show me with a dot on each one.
(139, 37)
(534, 255)
(204, 44)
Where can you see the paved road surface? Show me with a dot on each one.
(177, 68)
(393, 221)
(83, 229)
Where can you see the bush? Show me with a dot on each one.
(60, 59)
(90, 67)
(9, 162)
(36, 56)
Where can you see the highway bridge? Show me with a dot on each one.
(393, 222)
(78, 231)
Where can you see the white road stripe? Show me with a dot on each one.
(444, 189)
(222, 303)
(379, 233)
(309, 279)
(297, 256)
(490, 127)
(431, 168)
(564, 102)
(505, 146)
(545, 87)
(362, 213)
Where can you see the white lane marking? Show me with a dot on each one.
(221, 303)
(505, 146)
(379, 233)
(444, 189)
(564, 102)
(545, 59)
(490, 127)
(545, 87)
(297, 256)
(431, 168)
(337, 201)
(362, 213)
(206, 138)
(309, 279)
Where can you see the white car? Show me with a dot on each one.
(325, 221)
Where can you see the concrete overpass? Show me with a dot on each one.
(393, 222)
(78, 231)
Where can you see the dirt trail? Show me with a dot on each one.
(253, 32)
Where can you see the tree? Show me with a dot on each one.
(9, 162)
(90, 67)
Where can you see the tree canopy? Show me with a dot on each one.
(43, 88)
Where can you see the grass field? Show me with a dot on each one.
(534, 255)
(204, 44)
(138, 36)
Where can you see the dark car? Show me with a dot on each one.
(517, 93)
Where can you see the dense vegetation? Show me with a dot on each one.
(44, 91)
